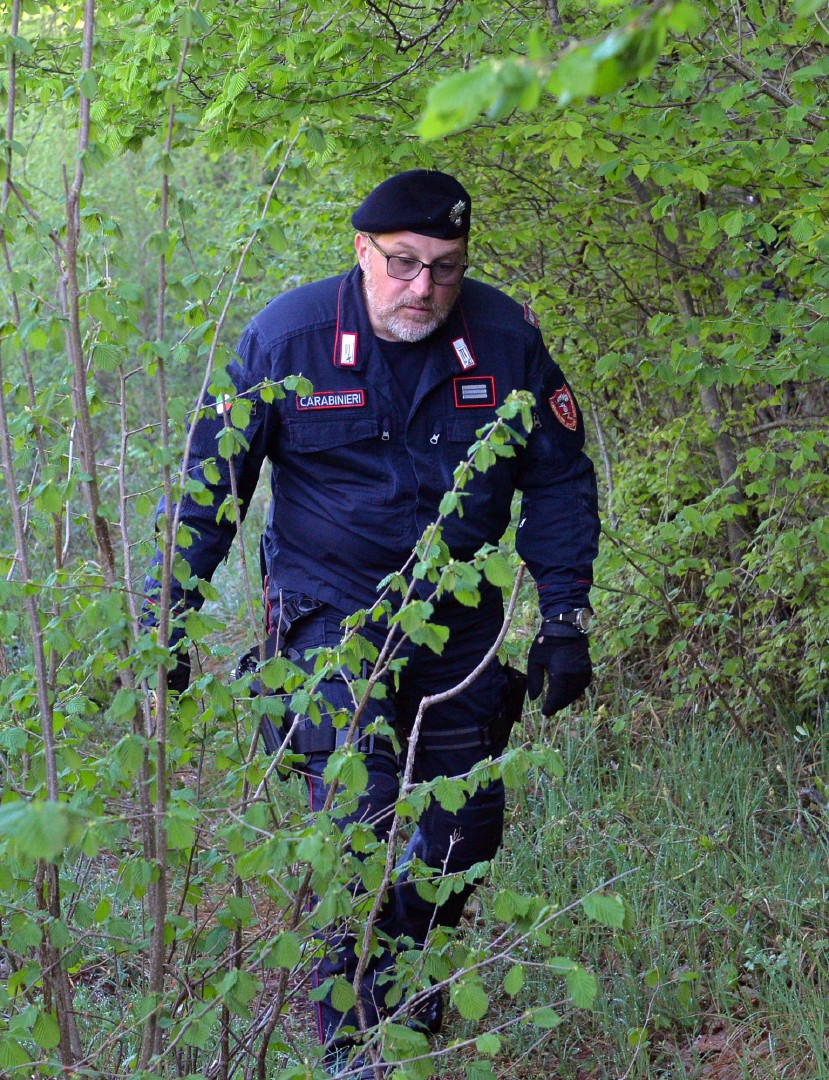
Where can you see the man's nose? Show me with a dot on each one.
(422, 285)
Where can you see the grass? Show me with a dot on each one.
(721, 844)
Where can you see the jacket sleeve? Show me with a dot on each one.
(558, 531)
(207, 512)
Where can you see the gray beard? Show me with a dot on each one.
(401, 328)
(404, 330)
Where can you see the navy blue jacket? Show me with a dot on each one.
(357, 474)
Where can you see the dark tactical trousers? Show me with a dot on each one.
(455, 735)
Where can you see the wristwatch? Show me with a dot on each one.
(580, 617)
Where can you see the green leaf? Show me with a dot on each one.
(514, 980)
(39, 829)
(802, 230)
(450, 502)
(25, 934)
(106, 356)
(708, 222)
(479, 1070)
(457, 101)
(13, 1056)
(180, 832)
(470, 999)
(342, 995)
(732, 223)
(582, 987)
(192, 23)
(46, 1031)
(50, 499)
(498, 570)
(21, 45)
(240, 412)
(14, 738)
(684, 18)
(606, 908)
(279, 242)
(234, 84)
(575, 154)
(102, 911)
(403, 1042)
(451, 794)
(88, 84)
(353, 774)
(433, 637)
(285, 952)
(488, 1044)
(545, 1018)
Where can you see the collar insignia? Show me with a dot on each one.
(464, 354)
(348, 350)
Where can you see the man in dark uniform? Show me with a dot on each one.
(407, 358)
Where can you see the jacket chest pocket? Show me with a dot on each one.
(460, 432)
(442, 450)
(346, 452)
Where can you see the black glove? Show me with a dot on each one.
(565, 661)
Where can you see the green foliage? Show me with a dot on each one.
(655, 186)
(582, 70)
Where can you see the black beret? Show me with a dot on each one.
(420, 201)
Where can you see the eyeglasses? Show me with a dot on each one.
(405, 269)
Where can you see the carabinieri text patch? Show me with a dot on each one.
(332, 399)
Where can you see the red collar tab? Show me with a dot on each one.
(530, 316)
(346, 353)
(464, 354)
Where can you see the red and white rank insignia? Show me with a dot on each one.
(474, 392)
(530, 316)
(564, 408)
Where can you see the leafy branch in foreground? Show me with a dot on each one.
(233, 846)
(581, 70)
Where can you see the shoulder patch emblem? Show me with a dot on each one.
(530, 316)
(564, 408)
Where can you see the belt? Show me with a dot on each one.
(309, 739)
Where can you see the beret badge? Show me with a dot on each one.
(456, 213)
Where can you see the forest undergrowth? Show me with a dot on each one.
(719, 841)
